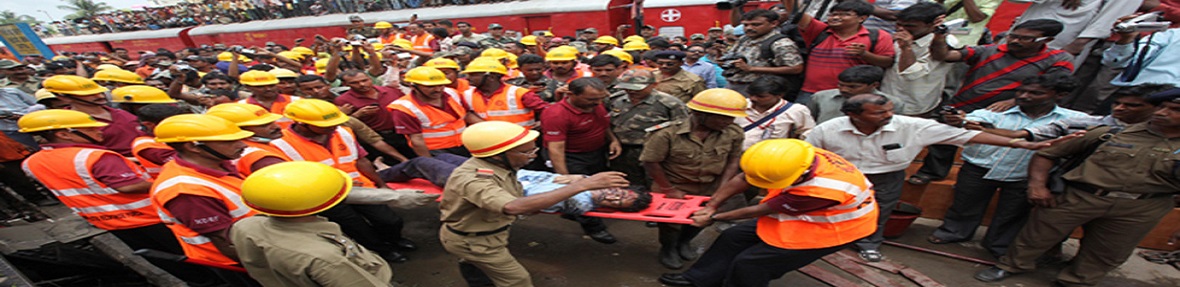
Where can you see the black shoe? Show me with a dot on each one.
(406, 245)
(651, 224)
(394, 257)
(604, 237)
(670, 258)
(675, 279)
(992, 274)
(687, 252)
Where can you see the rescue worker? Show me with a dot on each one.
(289, 245)
(317, 135)
(817, 203)
(563, 63)
(99, 185)
(286, 84)
(694, 156)
(505, 58)
(493, 100)
(264, 92)
(451, 69)
(483, 197)
(429, 118)
(84, 95)
(633, 112)
(150, 154)
(604, 43)
(532, 71)
(258, 153)
(132, 97)
(197, 194)
(116, 78)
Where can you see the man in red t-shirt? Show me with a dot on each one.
(845, 43)
(367, 103)
(579, 141)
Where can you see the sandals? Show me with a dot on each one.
(918, 179)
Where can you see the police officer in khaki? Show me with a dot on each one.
(694, 156)
(289, 245)
(1119, 194)
(483, 197)
(673, 79)
(639, 107)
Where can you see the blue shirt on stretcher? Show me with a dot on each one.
(625, 200)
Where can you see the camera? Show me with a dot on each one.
(79, 58)
(954, 27)
(183, 66)
(726, 64)
(241, 50)
(356, 40)
(1150, 22)
(730, 4)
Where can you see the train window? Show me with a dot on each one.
(672, 31)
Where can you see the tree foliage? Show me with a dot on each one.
(9, 17)
(84, 8)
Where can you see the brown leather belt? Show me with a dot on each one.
(1115, 194)
(481, 233)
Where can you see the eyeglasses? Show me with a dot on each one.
(1026, 38)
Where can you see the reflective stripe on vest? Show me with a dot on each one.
(848, 188)
(440, 130)
(142, 143)
(423, 45)
(513, 111)
(853, 218)
(325, 155)
(196, 239)
(102, 206)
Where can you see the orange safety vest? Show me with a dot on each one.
(144, 143)
(506, 105)
(462, 84)
(342, 154)
(854, 218)
(578, 73)
(175, 180)
(514, 73)
(254, 152)
(277, 107)
(66, 172)
(439, 129)
(422, 43)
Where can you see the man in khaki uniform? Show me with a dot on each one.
(694, 156)
(639, 107)
(673, 79)
(483, 197)
(18, 76)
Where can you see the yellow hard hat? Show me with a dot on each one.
(607, 40)
(486, 65)
(72, 85)
(622, 55)
(60, 58)
(428, 76)
(195, 128)
(563, 53)
(257, 78)
(140, 94)
(377, 47)
(777, 163)
(529, 40)
(442, 63)
(43, 94)
(107, 66)
(512, 61)
(225, 56)
(291, 55)
(636, 46)
(295, 188)
(321, 66)
(315, 112)
(490, 138)
(494, 53)
(305, 51)
(243, 115)
(634, 38)
(719, 101)
(118, 75)
(403, 43)
(45, 120)
(547, 34)
(382, 25)
(283, 73)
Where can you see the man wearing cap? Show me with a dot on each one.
(493, 100)
(601, 44)
(428, 117)
(495, 37)
(563, 63)
(17, 75)
(86, 96)
(588, 35)
(639, 107)
(13, 104)
(465, 34)
(715, 34)
(264, 91)
(673, 79)
(1119, 194)
(358, 27)
(532, 69)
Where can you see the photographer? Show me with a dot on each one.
(1149, 60)
(747, 60)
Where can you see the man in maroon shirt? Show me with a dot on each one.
(579, 140)
(149, 116)
(86, 96)
(367, 103)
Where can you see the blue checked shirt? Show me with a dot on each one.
(704, 69)
(1004, 163)
(14, 102)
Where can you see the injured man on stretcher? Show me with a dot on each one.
(438, 169)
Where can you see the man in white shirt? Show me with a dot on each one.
(916, 79)
(883, 145)
(786, 119)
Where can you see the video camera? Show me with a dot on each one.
(726, 64)
(1150, 22)
(730, 4)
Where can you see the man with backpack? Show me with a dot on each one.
(839, 43)
(761, 51)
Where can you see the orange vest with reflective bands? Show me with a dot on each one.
(506, 105)
(439, 129)
(277, 107)
(175, 180)
(341, 152)
(853, 218)
(144, 143)
(254, 152)
(462, 85)
(513, 73)
(66, 172)
(422, 43)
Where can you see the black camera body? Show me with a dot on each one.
(726, 64)
(730, 4)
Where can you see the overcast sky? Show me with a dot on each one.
(30, 7)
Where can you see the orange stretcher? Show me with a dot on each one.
(665, 210)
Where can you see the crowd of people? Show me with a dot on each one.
(799, 123)
(202, 12)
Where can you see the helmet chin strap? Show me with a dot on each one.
(75, 98)
(210, 150)
(83, 136)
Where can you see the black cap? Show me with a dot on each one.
(671, 55)
(1172, 95)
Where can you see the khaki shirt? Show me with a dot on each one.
(475, 195)
(629, 120)
(282, 253)
(689, 160)
(30, 87)
(1135, 160)
(683, 85)
(363, 132)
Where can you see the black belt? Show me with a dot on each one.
(481, 233)
(632, 145)
(1112, 193)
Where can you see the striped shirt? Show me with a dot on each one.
(1004, 163)
(828, 58)
(994, 74)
